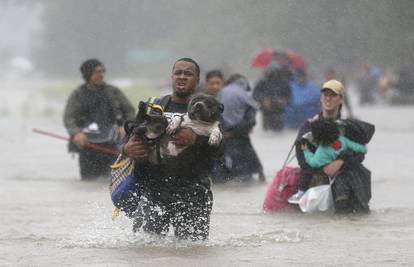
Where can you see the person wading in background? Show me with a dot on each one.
(94, 113)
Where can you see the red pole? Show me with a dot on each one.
(106, 150)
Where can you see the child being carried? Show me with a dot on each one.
(330, 143)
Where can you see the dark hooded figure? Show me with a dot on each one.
(273, 93)
(238, 121)
(94, 113)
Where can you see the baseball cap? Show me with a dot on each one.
(333, 85)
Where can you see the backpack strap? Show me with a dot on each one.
(155, 105)
(152, 106)
(149, 104)
(164, 101)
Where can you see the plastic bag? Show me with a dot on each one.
(317, 199)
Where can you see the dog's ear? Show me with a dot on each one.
(221, 108)
(141, 106)
(141, 112)
(129, 126)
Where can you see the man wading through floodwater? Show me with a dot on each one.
(176, 193)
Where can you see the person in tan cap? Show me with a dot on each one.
(330, 74)
(333, 85)
(332, 99)
(347, 167)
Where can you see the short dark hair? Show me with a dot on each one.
(88, 66)
(242, 80)
(235, 77)
(186, 59)
(324, 131)
(214, 73)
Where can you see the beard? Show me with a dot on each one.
(183, 94)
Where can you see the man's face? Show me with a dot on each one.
(98, 75)
(184, 79)
(330, 100)
(214, 85)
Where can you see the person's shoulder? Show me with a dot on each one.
(114, 91)
(260, 82)
(167, 96)
(77, 91)
(112, 88)
(164, 100)
(307, 122)
(305, 126)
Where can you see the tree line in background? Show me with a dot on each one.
(223, 34)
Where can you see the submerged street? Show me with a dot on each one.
(50, 217)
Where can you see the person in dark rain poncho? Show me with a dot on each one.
(274, 94)
(94, 113)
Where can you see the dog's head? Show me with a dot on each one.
(146, 127)
(205, 108)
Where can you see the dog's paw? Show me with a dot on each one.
(173, 125)
(215, 137)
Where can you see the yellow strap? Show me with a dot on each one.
(115, 214)
(116, 165)
(150, 104)
(159, 107)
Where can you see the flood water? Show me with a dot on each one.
(48, 217)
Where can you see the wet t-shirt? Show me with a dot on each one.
(174, 109)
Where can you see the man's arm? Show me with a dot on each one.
(245, 126)
(127, 109)
(70, 116)
(258, 93)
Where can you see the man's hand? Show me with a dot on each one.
(333, 168)
(135, 149)
(80, 139)
(185, 137)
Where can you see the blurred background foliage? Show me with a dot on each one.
(143, 38)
